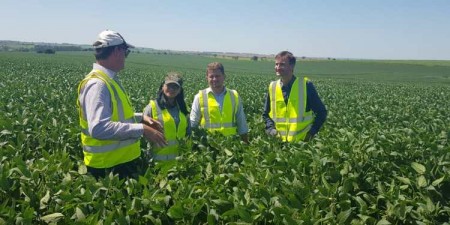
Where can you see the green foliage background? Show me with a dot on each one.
(382, 157)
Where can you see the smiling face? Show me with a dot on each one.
(283, 68)
(215, 79)
(171, 90)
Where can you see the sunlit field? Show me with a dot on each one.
(382, 157)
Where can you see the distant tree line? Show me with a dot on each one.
(54, 48)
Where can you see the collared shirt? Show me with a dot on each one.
(174, 112)
(95, 101)
(313, 103)
(196, 114)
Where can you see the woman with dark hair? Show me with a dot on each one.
(171, 111)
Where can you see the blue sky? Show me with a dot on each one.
(375, 29)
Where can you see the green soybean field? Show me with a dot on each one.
(382, 157)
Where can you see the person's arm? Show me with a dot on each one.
(138, 117)
(241, 121)
(270, 124)
(315, 104)
(148, 111)
(148, 120)
(96, 102)
(153, 130)
(196, 113)
(188, 128)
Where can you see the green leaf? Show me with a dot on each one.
(437, 181)
(82, 169)
(52, 218)
(383, 222)
(404, 180)
(44, 200)
(362, 204)
(208, 170)
(80, 214)
(143, 180)
(5, 132)
(175, 212)
(430, 206)
(419, 168)
(211, 219)
(244, 214)
(421, 181)
(228, 152)
(343, 216)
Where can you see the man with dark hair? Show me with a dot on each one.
(293, 110)
(110, 129)
(217, 108)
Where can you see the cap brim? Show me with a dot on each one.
(130, 45)
(172, 82)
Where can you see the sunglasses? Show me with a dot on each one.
(173, 86)
(127, 51)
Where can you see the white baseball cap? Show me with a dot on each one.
(108, 38)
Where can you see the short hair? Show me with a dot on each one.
(215, 66)
(286, 55)
(104, 53)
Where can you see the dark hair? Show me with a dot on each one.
(286, 55)
(104, 53)
(162, 101)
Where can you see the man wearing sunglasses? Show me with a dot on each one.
(111, 130)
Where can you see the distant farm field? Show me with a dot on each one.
(382, 157)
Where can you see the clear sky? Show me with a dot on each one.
(371, 29)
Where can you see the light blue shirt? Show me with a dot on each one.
(95, 100)
(196, 114)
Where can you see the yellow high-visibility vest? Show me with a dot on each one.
(171, 132)
(291, 120)
(215, 120)
(108, 153)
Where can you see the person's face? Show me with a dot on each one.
(121, 53)
(171, 90)
(283, 68)
(215, 79)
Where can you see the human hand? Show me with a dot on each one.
(155, 136)
(155, 124)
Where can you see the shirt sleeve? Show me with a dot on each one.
(188, 129)
(241, 120)
(195, 115)
(138, 117)
(315, 104)
(95, 100)
(269, 122)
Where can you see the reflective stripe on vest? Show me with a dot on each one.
(216, 120)
(172, 132)
(107, 153)
(291, 119)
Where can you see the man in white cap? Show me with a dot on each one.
(110, 129)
